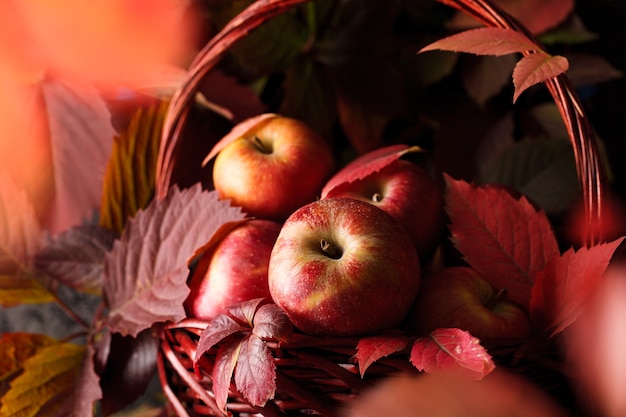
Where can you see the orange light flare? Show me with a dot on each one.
(112, 44)
(596, 346)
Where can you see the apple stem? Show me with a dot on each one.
(260, 145)
(329, 249)
(377, 197)
(497, 298)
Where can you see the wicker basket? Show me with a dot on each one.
(315, 376)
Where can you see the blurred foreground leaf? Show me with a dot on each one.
(58, 380)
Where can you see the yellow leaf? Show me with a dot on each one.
(45, 383)
(22, 289)
(15, 349)
(130, 176)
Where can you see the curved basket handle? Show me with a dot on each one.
(588, 161)
(245, 22)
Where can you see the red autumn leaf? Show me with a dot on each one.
(484, 41)
(222, 374)
(451, 351)
(536, 68)
(505, 239)
(75, 257)
(146, 271)
(81, 136)
(241, 129)
(564, 285)
(370, 349)
(271, 323)
(255, 373)
(218, 329)
(367, 164)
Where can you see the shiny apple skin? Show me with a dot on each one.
(368, 286)
(459, 297)
(407, 192)
(277, 167)
(234, 270)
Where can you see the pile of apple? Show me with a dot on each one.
(340, 252)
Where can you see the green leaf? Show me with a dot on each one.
(272, 46)
(309, 95)
(75, 257)
(542, 169)
(47, 380)
(130, 176)
(22, 289)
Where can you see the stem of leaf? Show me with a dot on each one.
(71, 313)
(311, 23)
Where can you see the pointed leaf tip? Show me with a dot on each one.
(563, 287)
(370, 349)
(484, 41)
(507, 240)
(146, 271)
(451, 351)
(536, 68)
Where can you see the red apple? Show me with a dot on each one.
(232, 270)
(275, 167)
(459, 297)
(405, 191)
(343, 267)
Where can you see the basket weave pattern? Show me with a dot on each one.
(315, 376)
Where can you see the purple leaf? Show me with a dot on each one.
(225, 362)
(130, 366)
(218, 329)
(81, 138)
(146, 271)
(270, 322)
(75, 257)
(244, 312)
(255, 373)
